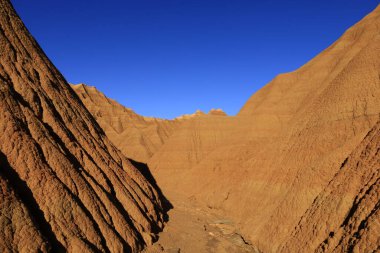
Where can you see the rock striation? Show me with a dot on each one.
(297, 170)
(63, 185)
(136, 136)
(351, 199)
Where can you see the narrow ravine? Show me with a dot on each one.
(192, 228)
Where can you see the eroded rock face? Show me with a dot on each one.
(64, 186)
(265, 167)
(136, 136)
(345, 217)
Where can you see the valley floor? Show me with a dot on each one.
(194, 229)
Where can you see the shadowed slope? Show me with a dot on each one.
(64, 184)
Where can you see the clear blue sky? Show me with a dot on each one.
(169, 57)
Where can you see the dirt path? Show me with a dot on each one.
(193, 229)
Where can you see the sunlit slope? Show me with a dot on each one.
(64, 186)
(266, 166)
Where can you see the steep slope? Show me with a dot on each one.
(266, 166)
(352, 197)
(136, 136)
(64, 186)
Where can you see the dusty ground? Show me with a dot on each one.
(194, 229)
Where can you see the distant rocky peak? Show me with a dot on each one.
(217, 112)
(200, 113)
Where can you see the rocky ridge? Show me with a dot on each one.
(138, 137)
(64, 186)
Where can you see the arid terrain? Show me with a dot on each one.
(296, 170)
(138, 137)
(298, 131)
(64, 186)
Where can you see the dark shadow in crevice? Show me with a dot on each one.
(111, 196)
(75, 162)
(26, 196)
(145, 171)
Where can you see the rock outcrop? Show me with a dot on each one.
(64, 186)
(266, 166)
(199, 113)
(217, 112)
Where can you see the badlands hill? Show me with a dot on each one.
(294, 168)
(297, 170)
(136, 136)
(345, 216)
(64, 186)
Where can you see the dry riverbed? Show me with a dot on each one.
(194, 229)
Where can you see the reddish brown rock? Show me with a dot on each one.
(64, 186)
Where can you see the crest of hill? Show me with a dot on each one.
(63, 185)
(265, 167)
(138, 137)
(199, 113)
(217, 112)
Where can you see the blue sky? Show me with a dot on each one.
(165, 58)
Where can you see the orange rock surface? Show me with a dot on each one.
(297, 170)
(265, 167)
(345, 216)
(136, 136)
(64, 186)
(278, 168)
